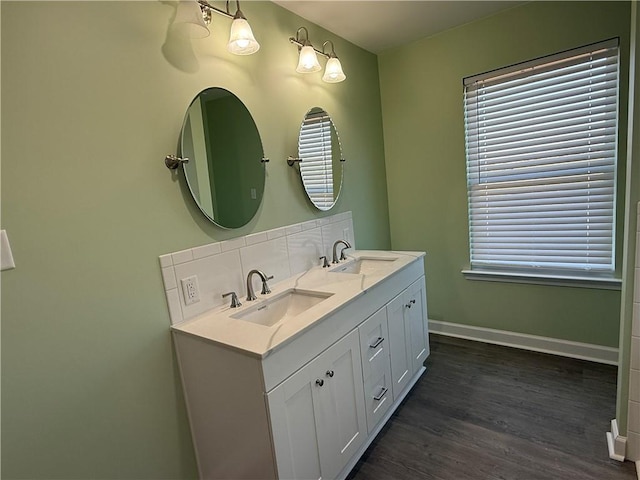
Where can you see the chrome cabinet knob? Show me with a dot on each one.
(330, 373)
(319, 382)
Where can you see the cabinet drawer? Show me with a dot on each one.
(374, 345)
(378, 393)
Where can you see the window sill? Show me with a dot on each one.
(551, 280)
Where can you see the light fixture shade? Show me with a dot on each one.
(189, 21)
(241, 39)
(308, 62)
(333, 71)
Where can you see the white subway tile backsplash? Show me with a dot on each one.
(336, 231)
(206, 250)
(290, 230)
(634, 385)
(217, 274)
(276, 233)
(309, 225)
(633, 422)
(327, 220)
(182, 256)
(256, 238)
(305, 249)
(634, 417)
(271, 257)
(173, 302)
(222, 267)
(233, 244)
(633, 446)
(635, 353)
(166, 261)
(169, 278)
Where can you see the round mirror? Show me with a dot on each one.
(225, 172)
(321, 161)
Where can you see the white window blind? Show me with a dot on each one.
(316, 168)
(541, 143)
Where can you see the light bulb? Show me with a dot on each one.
(241, 39)
(308, 61)
(333, 71)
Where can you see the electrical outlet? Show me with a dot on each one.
(190, 290)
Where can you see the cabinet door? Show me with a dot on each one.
(317, 415)
(292, 406)
(342, 410)
(399, 334)
(415, 312)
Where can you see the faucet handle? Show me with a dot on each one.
(325, 262)
(265, 287)
(235, 303)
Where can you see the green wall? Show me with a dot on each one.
(421, 87)
(93, 98)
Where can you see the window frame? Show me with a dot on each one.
(485, 270)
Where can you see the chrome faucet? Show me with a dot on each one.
(335, 250)
(265, 288)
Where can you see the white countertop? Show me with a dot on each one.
(220, 327)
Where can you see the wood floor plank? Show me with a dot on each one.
(490, 412)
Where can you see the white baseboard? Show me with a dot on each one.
(616, 443)
(565, 348)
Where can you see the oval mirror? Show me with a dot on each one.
(321, 162)
(225, 172)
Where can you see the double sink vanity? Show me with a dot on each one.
(297, 383)
(294, 382)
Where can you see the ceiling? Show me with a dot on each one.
(377, 25)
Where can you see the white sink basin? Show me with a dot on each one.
(364, 265)
(282, 307)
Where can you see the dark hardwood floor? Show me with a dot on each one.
(490, 412)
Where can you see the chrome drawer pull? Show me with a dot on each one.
(377, 342)
(382, 393)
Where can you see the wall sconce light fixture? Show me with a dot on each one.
(193, 16)
(308, 58)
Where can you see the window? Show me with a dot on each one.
(541, 143)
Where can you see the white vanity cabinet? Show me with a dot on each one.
(318, 414)
(308, 407)
(409, 346)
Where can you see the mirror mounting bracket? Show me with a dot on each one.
(291, 161)
(172, 162)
